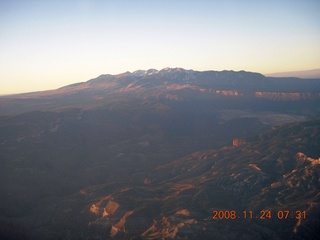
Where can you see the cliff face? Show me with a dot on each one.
(238, 142)
(285, 96)
(275, 96)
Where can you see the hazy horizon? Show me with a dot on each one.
(46, 45)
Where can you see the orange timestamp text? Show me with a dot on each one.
(263, 214)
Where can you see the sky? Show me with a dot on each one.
(49, 44)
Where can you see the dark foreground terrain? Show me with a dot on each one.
(170, 154)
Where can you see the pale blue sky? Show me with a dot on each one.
(49, 44)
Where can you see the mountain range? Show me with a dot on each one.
(168, 154)
(315, 73)
(168, 83)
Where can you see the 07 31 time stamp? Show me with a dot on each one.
(263, 214)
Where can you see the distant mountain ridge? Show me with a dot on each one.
(224, 80)
(315, 73)
(168, 83)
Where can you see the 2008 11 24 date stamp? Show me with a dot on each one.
(263, 214)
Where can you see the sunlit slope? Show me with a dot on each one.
(276, 172)
(84, 174)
